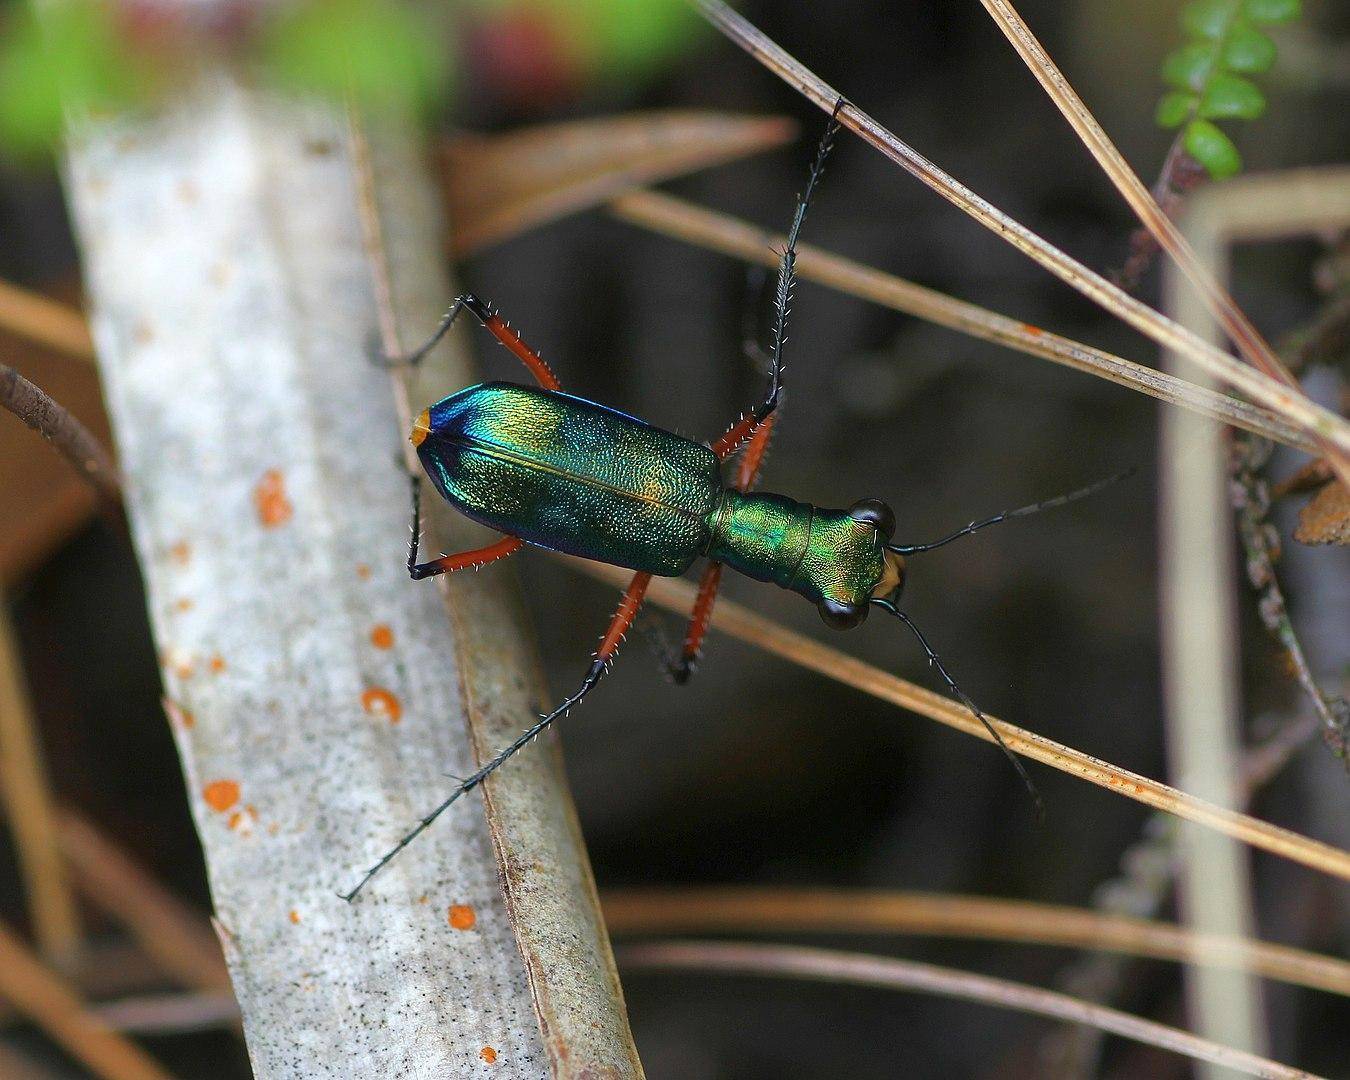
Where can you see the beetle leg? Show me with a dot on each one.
(448, 564)
(609, 645)
(746, 426)
(497, 327)
(747, 475)
(682, 668)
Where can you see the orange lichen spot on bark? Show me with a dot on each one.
(270, 499)
(294, 916)
(488, 1054)
(220, 795)
(382, 637)
(181, 552)
(363, 571)
(380, 702)
(1034, 331)
(182, 604)
(216, 664)
(244, 820)
(462, 916)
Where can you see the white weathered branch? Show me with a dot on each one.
(321, 698)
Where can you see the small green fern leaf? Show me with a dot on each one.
(1208, 72)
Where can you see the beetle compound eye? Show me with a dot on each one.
(840, 616)
(876, 513)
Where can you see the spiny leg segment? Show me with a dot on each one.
(609, 645)
(497, 327)
(746, 425)
(461, 560)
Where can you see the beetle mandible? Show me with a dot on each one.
(557, 471)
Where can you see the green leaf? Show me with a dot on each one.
(1247, 50)
(1189, 67)
(1209, 18)
(1272, 12)
(1213, 149)
(1231, 97)
(1175, 109)
(385, 53)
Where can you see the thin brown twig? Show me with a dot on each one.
(53, 422)
(1180, 174)
(740, 622)
(732, 236)
(58, 1010)
(1290, 402)
(827, 965)
(1250, 497)
(865, 911)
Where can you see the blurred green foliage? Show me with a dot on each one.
(101, 56)
(1208, 74)
(77, 54)
(385, 54)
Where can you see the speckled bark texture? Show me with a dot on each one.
(321, 699)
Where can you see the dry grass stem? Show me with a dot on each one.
(1219, 302)
(178, 939)
(28, 805)
(740, 622)
(498, 186)
(873, 911)
(1287, 401)
(740, 239)
(826, 965)
(58, 1010)
(171, 1014)
(45, 321)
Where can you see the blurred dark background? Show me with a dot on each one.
(758, 772)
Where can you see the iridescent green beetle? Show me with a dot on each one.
(560, 472)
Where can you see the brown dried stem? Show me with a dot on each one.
(868, 911)
(1288, 401)
(740, 622)
(826, 965)
(58, 1010)
(46, 321)
(732, 236)
(40, 412)
(178, 939)
(27, 800)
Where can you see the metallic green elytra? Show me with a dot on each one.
(565, 473)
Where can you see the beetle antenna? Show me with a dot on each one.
(1021, 511)
(889, 605)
